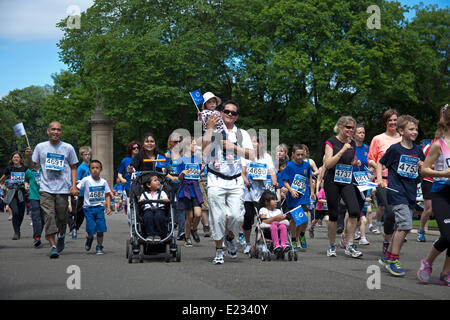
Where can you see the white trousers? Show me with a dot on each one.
(222, 203)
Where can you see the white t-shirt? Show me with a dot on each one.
(94, 191)
(229, 166)
(269, 214)
(257, 172)
(153, 196)
(55, 164)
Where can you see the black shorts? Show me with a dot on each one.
(320, 214)
(187, 204)
(426, 188)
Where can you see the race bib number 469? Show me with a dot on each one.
(408, 167)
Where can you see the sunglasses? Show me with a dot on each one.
(134, 148)
(349, 127)
(176, 141)
(233, 113)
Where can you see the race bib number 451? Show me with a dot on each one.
(408, 167)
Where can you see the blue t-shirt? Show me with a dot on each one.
(123, 171)
(297, 175)
(361, 154)
(402, 173)
(184, 163)
(82, 172)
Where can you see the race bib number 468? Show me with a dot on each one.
(96, 195)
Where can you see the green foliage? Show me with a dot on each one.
(22, 105)
(293, 65)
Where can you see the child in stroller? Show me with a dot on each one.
(271, 218)
(154, 215)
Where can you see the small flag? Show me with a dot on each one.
(197, 97)
(298, 215)
(19, 130)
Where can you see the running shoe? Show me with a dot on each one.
(331, 251)
(54, 254)
(357, 235)
(247, 248)
(303, 243)
(60, 243)
(277, 251)
(218, 259)
(231, 247)
(421, 235)
(195, 236)
(363, 241)
(351, 250)
(16, 236)
(374, 229)
(384, 262)
(181, 236)
(311, 233)
(188, 243)
(395, 268)
(444, 279)
(74, 234)
(99, 250)
(424, 272)
(37, 242)
(206, 231)
(88, 243)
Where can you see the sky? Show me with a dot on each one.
(29, 36)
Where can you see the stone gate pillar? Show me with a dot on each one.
(102, 142)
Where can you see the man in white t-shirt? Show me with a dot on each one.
(58, 161)
(225, 184)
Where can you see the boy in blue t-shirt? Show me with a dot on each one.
(297, 178)
(403, 161)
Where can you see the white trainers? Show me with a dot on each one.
(351, 251)
(363, 241)
(231, 247)
(331, 251)
(247, 248)
(218, 259)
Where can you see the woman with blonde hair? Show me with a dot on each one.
(338, 183)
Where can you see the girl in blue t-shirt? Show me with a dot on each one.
(189, 195)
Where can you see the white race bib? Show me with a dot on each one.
(408, 167)
(54, 162)
(299, 183)
(343, 173)
(257, 171)
(96, 195)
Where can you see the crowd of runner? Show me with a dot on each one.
(227, 177)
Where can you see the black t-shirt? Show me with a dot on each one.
(346, 158)
(16, 175)
(402, 173)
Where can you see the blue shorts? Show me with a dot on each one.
(95, 219)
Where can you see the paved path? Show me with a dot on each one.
(28, 273)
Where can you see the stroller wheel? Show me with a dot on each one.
(141, 254)
(127, 247)
(178, 256)
(289, 256)
(295, 256)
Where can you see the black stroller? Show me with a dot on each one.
(137, 246)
